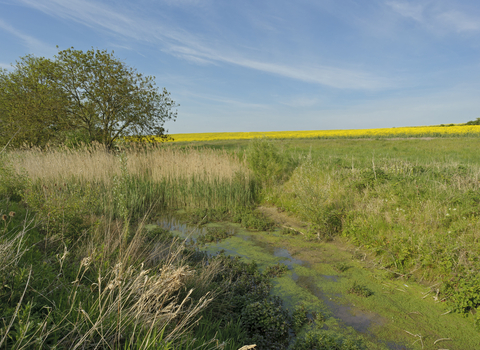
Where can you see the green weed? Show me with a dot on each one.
(268, 162)
(214, 234)
(326, 340)
(276, 270)
(299, 318)
(360, 290)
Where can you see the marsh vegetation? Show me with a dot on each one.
(82, 266)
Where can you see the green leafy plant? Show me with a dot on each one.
(267, 323)
(214, 234)
(63, 209)
(342, 266)
(253, 220)
(360, 290)
(299, 318)
(267, 162)
(463, 292)
(326, 340)
(276, 270)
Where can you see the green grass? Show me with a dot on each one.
(85, 272)
(410, 203)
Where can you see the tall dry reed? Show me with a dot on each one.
(95, 164)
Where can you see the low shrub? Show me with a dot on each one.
(327, 340)
(463, 292)
(252, 220)
(299, 318)
(277, 270)
(214, 234)
(269, 164)
(360, 290)
(267, 323)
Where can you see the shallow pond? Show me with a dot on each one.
(398, 315)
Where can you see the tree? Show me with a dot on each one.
(473, 122)
(31, 105)
(90, 95)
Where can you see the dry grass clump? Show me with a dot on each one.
(157, 162)
(118, 299)
(12, 244)
(136, 307)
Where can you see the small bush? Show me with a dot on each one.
(268, 163)
(11, 184)
(326, 340)
(369, 178)
(253, 220)
(360, 290)
(463, 292)
(267, 323)
(299, 318)
(341, 266)
(214, 234)
(276, 270)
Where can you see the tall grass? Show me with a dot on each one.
(89, 275)
(418, 219)
(154, 178)
(98, 298)
(95, 164)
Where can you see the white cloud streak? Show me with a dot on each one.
(5, 66)
(194, 48)
(413, 11)
(436, 16)
(459, 21)
(197, 3)
(30, 42)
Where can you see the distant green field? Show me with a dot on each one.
(458, 149)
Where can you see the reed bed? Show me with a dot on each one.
(150, 178)
(83, 273)
(95, 164)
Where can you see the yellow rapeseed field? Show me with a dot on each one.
(419, 131)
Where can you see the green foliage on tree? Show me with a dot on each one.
(80, 96)
(31, 104)
(473, 122)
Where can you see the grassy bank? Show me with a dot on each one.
(79, 269)
(412, 204)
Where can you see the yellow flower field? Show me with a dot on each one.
(420, 131)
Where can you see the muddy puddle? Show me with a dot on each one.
(389, 318)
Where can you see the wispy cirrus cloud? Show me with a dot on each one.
(437, 15)
(5, 66)
(459, 21)
(187, 2)
(413, 11)
(317, 74)
(201, 49)
(30, 42)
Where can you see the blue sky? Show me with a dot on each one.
(261, 65)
